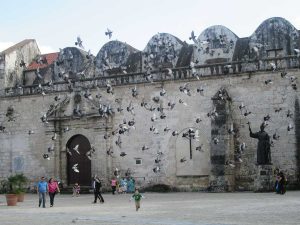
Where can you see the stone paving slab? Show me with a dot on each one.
(159, 209)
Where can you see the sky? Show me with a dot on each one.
(56, 23)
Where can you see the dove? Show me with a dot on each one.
(66, 129)
(247, 113)
(54, 137)
(79, 42)
(230, 163)
(198, 120)
(76, 149)
(2, 128)
(68, 151)
(154, 117)
(155, 99)
(118, 142)
(267, 117)
(276, 136)
(200, 148)
(51, 148)
(216, 140)
(106, 136)
(269, 81)
(289, 114)
(122, 154)
(57, 98)
(22, 64)
(145, 147)
(108, 33)
(156, 169)
(75, 168)
(200, 90)
(242, 147)
(297, 52)
(167, 129)
(175, 133)
(273, 66)
(109, 152)
(182, 160)
(278, 110)
(171, 105)
(169, 72)
(283, 74)
(134, 92)
(182, 102)
(242, 106)
(46, 156)
(290, 127)
(162, 92)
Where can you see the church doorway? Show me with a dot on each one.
(77, 147)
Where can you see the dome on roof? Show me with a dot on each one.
(215, 45)
(275, 37)
(113, 55)
(162, 50)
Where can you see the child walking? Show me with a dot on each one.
(76, 190)
(137, 198)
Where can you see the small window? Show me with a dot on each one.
(138, 161)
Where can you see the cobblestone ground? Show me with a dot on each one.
(159, 209)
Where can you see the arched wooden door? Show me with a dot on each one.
(83, 178)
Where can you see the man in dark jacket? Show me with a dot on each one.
(97, 193)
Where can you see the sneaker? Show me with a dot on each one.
(51, 205)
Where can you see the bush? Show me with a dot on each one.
(14, 184)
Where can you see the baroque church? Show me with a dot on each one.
(174, 113)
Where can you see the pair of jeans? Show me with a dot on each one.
(42, 198)
(52, 195)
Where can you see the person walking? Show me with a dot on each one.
(113, 185)
(137, 199)
(97, 193)
(42, 189)
(53, 189)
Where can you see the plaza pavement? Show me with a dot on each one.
(159, 209)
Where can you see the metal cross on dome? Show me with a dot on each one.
(189, 134)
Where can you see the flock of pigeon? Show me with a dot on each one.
(154, 105)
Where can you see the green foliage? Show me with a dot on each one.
(14, 184)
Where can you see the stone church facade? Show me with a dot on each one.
(186, 109)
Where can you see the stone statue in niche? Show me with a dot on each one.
(263, 145)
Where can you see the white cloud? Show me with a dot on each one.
(4, 45)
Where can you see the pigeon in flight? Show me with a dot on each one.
(108, 33)
(119, 142)
(22, 64)
(297, 52)
(75, 168)
(230, 163)
(122, 154)
(54, 137)
(76, 149)
(182, 160)
(145, 147)
(79, 42)
(46, 156)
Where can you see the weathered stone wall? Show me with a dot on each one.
(21, 152)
